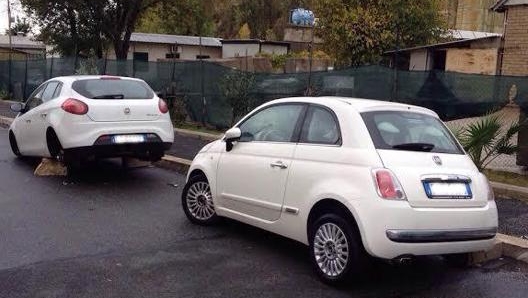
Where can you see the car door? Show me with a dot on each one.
(251, 178)
(24, 122)
(39, 118)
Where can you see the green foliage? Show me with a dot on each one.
(182, 17)
(21, 26)
(484, 140)
(78, 26)
(87, 67)
(4, 94)
(236, 87)
(359, 31)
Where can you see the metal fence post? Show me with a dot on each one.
(25, 80)
(51, 68)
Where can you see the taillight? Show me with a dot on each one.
(74, 106)
(163, 107)
(387, 185)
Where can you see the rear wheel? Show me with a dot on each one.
(335, 249)
(54, 146)
(197, 201)
(14, 144)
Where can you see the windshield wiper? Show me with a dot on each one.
(414, 147)
(109, 96)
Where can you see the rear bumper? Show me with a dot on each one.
(425, 236)
(147, 151)
(393, 228)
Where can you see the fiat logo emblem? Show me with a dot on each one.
(127, 111)
(437, 160)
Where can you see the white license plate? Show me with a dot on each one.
(122, 139)
(454, 190)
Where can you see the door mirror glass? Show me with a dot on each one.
(17, 107)
(230, 136)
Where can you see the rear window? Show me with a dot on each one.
(395, 130)
(113, 89)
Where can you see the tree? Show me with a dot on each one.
(359, 31)
(77, 26)
(21, 26)
(236, 87)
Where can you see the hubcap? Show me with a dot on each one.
(331, 249)
(199, 201)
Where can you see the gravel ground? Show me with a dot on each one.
(513, 217)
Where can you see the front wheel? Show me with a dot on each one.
(335, 249)
(14, 144)
(197, 201)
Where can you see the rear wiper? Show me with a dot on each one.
(414, 147)
(109, 96)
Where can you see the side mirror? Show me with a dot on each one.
(230, 136)
(18, 107)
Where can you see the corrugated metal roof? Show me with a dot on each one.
(465, 34)
(444, 44)
(21, 42)
(175, 39)
(499, 5)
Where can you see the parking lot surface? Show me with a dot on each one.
(113, 232)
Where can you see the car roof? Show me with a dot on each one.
(89, 77)
(358, 104)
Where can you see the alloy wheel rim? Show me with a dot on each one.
(331, 249)
(200, 201)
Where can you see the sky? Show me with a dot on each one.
(16, 10)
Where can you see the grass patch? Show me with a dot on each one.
(198, 128)
(507, 177)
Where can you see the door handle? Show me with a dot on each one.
(28, 121)
(278, 164)
(43, 115)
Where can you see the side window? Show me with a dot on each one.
(35, 99)
(320, 127)
(273, 124)
(50, 91)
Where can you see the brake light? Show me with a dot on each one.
(163, 107)
(74, 106)
(109, 78)
(387, 185)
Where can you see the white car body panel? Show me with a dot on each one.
(344, 173)
(78, 131)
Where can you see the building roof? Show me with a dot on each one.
(256, 41)
(500, 6)
(449, 44)
(21, 42)
(465, 34)
(175, 39)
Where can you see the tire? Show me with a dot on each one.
(54, 147)
(197, 201)
(336, 252)
(14, 145)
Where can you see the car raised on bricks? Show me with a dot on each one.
(348, 177)
(79, 117)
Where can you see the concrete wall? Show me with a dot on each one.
(159, 51)
(476, 61)
(420, 60)
(231, 50)
(274, 49)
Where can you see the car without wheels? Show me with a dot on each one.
(74, 118)
(350, 178)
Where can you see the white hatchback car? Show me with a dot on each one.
(78, 117)
(346, 177)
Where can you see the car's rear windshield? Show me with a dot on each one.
(113, 89)
(398, 130)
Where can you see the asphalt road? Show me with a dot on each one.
(111, 232)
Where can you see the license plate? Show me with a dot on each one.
(447, 190)
(122, 139)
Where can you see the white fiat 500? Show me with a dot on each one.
(76, 117)
(348, 177)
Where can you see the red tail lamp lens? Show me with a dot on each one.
(163, 107)
(75, 106)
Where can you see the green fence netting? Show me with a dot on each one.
(197, 83)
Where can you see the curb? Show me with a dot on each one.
(5, 121)
(173, 163)
(198, 135)
(511, 191)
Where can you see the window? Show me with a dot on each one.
(273, 124)
(50, 91)
(198, 57)
(141, 56)
(35, 98)
(172, 56)
(409, 131)
(320, 127)
(113, 89)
